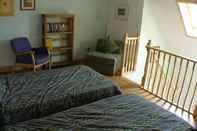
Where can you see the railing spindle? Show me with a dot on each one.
(136, 54)
(176, 85)
(157, 67)
(171, 77)
(192, 100)
(185, 74)
(191, 78)
(127, 58)
(151, 69)
(131, 55)
(161, 73)
(166, 76)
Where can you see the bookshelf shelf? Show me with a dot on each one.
(61, 49)
(59, 28)
(57, 33)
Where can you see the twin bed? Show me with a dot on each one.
(76, 98)
(118, 113)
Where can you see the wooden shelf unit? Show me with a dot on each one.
(60, 29)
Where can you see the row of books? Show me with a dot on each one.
(56, 27)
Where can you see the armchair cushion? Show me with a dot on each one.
(41, 58)
(40, 50)
(41, 55)
(109, 46)
(21, 45)
(103, 45)
(114, 47)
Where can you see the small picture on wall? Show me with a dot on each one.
(7, 7)
(28, 5)
(122, 12)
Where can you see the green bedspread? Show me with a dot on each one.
(118, 113)
(34, 95)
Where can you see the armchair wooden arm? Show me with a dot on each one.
(25, 53)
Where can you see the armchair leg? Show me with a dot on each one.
(34, 69)
(49, 65)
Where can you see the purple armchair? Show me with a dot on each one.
(28, 56)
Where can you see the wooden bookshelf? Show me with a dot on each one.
(60, 29)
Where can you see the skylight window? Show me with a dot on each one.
(189, 14)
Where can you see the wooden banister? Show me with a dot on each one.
(171, 77)
(130, 53)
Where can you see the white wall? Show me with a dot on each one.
(150, 30)
(167, 20)
(117, 28)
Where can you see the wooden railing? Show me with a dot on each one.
(130, 53)
(171, 77)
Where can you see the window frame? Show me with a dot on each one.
(187, 33)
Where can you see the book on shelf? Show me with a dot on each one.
(56, 27)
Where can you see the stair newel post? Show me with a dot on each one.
(146, 64)
(124, 53)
